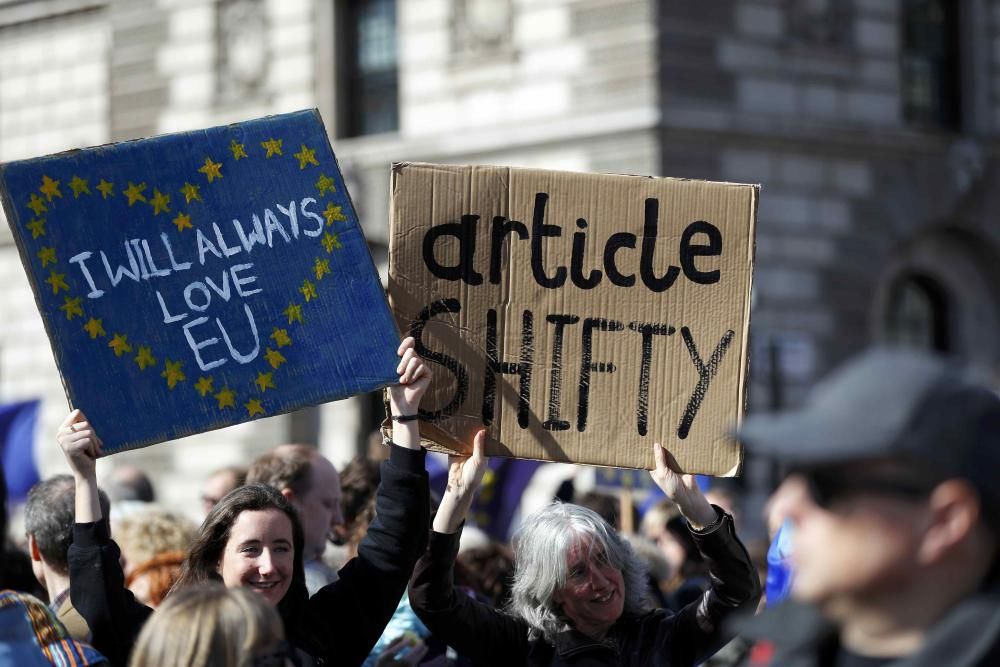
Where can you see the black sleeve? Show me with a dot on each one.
(97, 590)
(351, 613)
(478, 632)
(735, 588)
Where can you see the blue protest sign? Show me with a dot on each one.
(198, 280)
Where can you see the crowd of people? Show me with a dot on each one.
(888, 508)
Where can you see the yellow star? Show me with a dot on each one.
(265, 381)
(306, 156)
(280, 337)
(238, 150)
(37, 227)
(107, 189)
(183, 221)
(274, 358)
(160, 202)
(226, 398)
(95, 328)
(273, 147)
(294, 313)
(191, 193)
(120, 344)
(308, 291)
(254, 407)
(79, 186)
(325, 183)
(173, 373)
(330, 241)
(57, 281)
(50, 188)
(134, 192)
(47, 255)
(145, 358)
(333, 213)
(321, 268)
(72, 307)
(203, 386)
(211, 169)
(37, 205)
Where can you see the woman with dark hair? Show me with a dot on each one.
(579, 591)
(253, 538)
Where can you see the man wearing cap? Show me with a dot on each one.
(893, 498)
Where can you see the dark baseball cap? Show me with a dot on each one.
(896, 405)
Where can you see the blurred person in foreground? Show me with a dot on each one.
(31, 635)
(212, 626)
(579, 590)
(893, 496)
(48, 523)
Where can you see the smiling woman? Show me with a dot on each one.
(578, 588)
(253, 539)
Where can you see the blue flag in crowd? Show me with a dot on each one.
(17, 437)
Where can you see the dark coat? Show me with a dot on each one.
(336, 626)
(491, 637)
(797, 635)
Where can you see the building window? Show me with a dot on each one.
(371, 82)
(918, 314)
(930, 75)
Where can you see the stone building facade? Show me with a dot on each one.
(870, 124)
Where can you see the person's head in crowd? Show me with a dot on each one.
(607, 506)
(310, 483)
(48, 525)
(154, 543)
(724, 495)
(33, 636)
(562, 554)
(488, 570)
(664, 525)
(251, 538)
(212, 626)
(128, 483)
(893, 495)
(358, 482)
(219, 483)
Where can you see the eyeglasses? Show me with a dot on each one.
(827, 485)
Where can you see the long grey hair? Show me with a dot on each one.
(541, 547)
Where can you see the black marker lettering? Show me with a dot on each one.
(500, 231)
(587, 367)
(647, 331)
(539, 231)
(458, 370)
(576, 266)
(495, 365)
(689, 252)
(465, 232)
(553, 422)
(649, 233)
(705, 374)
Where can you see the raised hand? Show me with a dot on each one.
(414, 377)
(80, 445)
(681, 489)
(465, 473)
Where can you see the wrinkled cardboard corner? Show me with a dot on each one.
(580, 317)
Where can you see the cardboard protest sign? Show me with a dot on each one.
(581, 317)
(198, 280)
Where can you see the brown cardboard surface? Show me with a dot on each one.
(505, 318)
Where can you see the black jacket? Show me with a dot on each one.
(797, 635)
(336, 626)
(491, 637)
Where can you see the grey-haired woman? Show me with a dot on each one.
(578, 594)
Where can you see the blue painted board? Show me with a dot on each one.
(202, 279)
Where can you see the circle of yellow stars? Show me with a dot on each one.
(142, 356)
